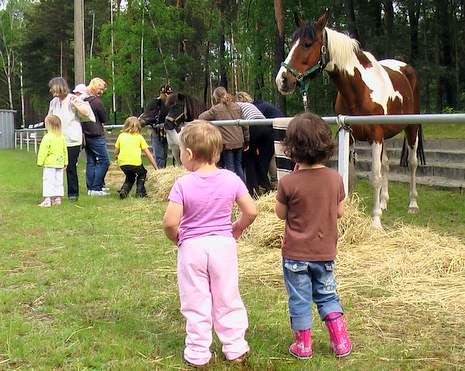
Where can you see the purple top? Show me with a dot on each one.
(207, 200)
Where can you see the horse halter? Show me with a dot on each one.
(301, 77)
(175, 122)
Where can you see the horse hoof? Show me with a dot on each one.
(377, 225)
(413, 210)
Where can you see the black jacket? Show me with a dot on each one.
(95, 129)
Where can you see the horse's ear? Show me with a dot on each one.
(323, 20)
(299, 22)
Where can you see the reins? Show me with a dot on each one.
(303, 78)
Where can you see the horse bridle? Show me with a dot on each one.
(302, 78)
(175, 121)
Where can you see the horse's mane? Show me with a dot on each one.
(342, 51)
(194, 106)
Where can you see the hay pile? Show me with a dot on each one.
(115, 177)
(159, 182)
(401, 268)
(405, 266)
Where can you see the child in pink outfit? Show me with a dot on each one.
(198, 220)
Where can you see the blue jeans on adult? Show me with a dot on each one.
(307, 282)
(231, 159)
(97, 162)
(159, 149)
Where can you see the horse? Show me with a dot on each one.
(181, 108)
(365, 86)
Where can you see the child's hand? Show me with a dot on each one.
(236, 231)
(64, 167)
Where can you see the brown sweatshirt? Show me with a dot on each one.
(233, 136)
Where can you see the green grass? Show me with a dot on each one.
(92, 285)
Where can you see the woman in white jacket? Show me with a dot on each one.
(71, 112)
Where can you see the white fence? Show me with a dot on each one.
(29, 136)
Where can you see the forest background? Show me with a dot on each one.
(201, 44)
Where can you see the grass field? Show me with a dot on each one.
(92, 285)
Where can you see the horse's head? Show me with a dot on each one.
(177, 111)
(307, 56)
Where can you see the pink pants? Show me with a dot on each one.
(209, 292)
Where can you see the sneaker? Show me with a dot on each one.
(105, 189)
(56, 201)
(73, 198)
(45, 203)
(98, 193)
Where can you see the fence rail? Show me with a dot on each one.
(26, 135)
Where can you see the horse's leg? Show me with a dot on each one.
(413, 164)
(172, 137)
(384, 180)
(376, 150)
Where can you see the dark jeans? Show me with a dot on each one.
(159, 150)
(97, 164)
(71, 171)
(257, 159)
(231, 159)
(133, 174)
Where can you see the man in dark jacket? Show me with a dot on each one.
(154, 116)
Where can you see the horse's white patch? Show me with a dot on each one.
(392, 64)
(282, 71)
(377, 80)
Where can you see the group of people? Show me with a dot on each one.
(247, 151)
(198, 220)
(75, 120)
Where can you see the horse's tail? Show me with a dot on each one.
(420, 150)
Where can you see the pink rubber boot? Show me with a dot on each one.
(337, 328)
(302, 348)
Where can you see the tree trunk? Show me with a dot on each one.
(222, 49)
(351, 21)
(413, 16)
(279, 52)
(446, 60)
(388, 26)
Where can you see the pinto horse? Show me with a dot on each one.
(181, 108)
(365, 86)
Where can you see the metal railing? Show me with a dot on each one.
(342, 121)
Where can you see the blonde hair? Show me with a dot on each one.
(243, 96)
(132, 125)
(221, 95)
(204, 140)
(95, 84)
(53, 124)
(58, 87)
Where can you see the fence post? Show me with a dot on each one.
(343, 152)
(27, 141)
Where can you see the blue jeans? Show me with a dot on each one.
(159, 149)
(97, 162)
(307, 282)
(231, 159)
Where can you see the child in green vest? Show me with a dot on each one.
(53, 157)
